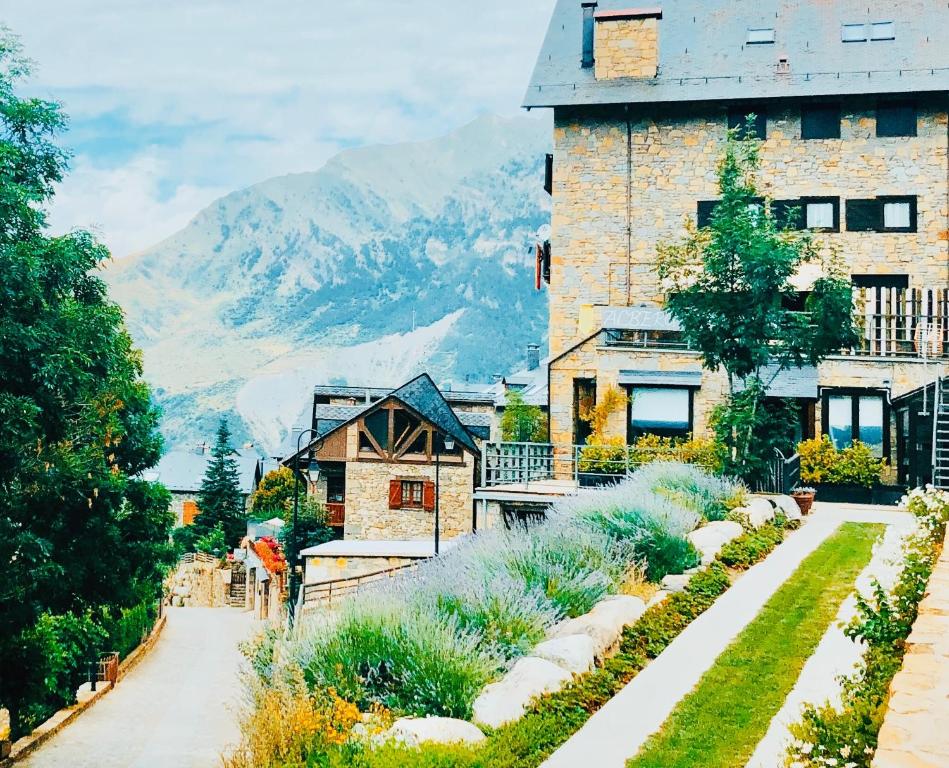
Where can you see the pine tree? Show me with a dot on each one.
(220, 499)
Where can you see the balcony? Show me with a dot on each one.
(908, 323)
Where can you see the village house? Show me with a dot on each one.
(181, 472)
(383, 463)
(850, 101)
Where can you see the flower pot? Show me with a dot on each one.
(804, 501)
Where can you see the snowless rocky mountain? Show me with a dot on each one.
(387, 261)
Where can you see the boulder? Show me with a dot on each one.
(605, 623)
(505, 701)
(759, 511)
(442, 730)
(788, 506)
(574, 653)
(675, 582)
(658, 599)
(709, 539)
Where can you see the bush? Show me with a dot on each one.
(712, 497)
(213, 542)
(747, 550)
(822, 462)
(703, 452)
(407, 660)
(130, 628)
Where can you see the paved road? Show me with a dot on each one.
(176, 709)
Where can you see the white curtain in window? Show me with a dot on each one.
(840, 420)
(820, 215)
(871, 426)
(659, 408)
(896, 215)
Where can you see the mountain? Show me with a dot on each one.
(387, 261)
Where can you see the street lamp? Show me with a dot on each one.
(449, 442)
(313, 475)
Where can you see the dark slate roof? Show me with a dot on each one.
(703, 55)
(691, 377)
(422, 396)
(372, 394)
(791, 382)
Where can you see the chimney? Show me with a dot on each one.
(588, 30)
(533, 357)
(496, 378)
(295, 433)
(446, 386)
(201, 448)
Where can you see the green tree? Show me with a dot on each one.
(273, 494)
(522, 423)
(220, 500)
(78, 531)
(729, 285)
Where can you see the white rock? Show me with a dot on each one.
(505, 701)
(442, 730)
(709, 539)
(574, 653)
(605, 623)
(658, 599)
(759, 511)
(788, 506)
(675, 582)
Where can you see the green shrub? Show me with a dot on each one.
(691, 486)
(213, 542)
(747, 550)
(407, 660)
(822, 462)
(132, 625)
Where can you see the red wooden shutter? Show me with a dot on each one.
(428, 496)
(395, 494)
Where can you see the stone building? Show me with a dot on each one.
(385, 463)
(851, 104)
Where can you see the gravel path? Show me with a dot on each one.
(835, 656)
(618, 730)
(176, 709)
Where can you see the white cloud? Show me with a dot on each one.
(255, 90)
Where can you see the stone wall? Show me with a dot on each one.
(671, 167)
(914, 730)
(626, 47)
(331, 568)
(367, 501)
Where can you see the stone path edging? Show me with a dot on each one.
(618, 730)
(59, 720)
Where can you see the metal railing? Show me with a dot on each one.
(783, 475)
(519, 464)
(324, 592)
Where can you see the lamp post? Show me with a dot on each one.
(313, 475)
(449, 443)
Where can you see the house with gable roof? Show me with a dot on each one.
(383, 463)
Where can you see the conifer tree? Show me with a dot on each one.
(220, 500)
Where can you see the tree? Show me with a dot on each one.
(522, 423)
(220, 500)
(729, 287)
(78, 530)
(274, 493)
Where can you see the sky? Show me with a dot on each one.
(173, 103)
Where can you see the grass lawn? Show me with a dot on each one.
(719, 724)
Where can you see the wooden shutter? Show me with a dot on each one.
(189, 511)
(395, 494)
(428, 496)
(864, 215)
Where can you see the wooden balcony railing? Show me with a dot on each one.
(902, 322)
(335, 514)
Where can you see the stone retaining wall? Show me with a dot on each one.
(914, 731)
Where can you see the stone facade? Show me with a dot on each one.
(914, 730)
(629, 179)
(320, 569)
(626, 47)
(367, 500)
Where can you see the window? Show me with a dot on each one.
(665, 411)
(584, 398)
(738, 120)
(788, 213)
(822, 213)
(857, 415)
(703, 213)
(761, 36)
(820, 121)
(880, 281)
(853, 33)
(412, 493)
(899, 214)
(896, 119)
(882, 214)
(882, 30)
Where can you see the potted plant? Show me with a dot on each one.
(805, 498)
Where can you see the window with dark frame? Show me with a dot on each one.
(412, 491)
(880, 281)
(663, 411)
(821, 214)
(820, 121)
(738, 120)
(857, 414)
(896, 118)
(890, 213)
